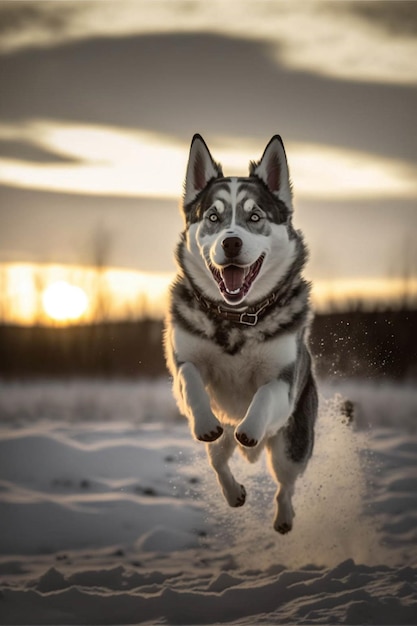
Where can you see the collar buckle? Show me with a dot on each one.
(250, 319)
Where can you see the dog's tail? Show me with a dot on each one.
(347, 409)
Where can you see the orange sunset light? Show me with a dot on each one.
(64, 302)
(59, 294)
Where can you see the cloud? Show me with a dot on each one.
(330, 39)
(104, 160)
(100, 160)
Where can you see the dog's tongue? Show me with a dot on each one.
(233, 277)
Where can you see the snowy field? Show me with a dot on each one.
(109, 514)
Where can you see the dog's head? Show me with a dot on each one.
(239, 241)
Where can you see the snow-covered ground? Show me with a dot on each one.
(109, 514)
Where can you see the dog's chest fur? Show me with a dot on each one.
(232, 380)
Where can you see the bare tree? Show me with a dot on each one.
(403, 268)
(3, 294)
(408, 270)
(39, 284)
(101, 247)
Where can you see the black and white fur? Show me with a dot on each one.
(235, 336)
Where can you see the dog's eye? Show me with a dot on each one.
(254, 217)
(213, 217)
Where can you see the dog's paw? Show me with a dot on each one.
(237, 497)
(284, 516)
(207, 428)
(246, 441)
(283, 528)
(241, 499)
(210, 436)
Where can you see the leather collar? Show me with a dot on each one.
(249, 316)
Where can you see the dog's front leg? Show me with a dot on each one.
(195, 404)
(267, 413)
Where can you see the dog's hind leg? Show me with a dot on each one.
(285, 472)
(289, 451)
(219, 453)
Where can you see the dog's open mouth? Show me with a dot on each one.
(235, 281)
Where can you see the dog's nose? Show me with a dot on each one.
(232, 246)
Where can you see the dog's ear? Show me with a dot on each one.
(200, 169)
(273, 170)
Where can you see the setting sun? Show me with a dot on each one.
(67, 294)
(64, 302)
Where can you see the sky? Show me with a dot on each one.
(100, 99)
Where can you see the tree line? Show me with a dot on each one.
(356, 343)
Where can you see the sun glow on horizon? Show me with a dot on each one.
(44, 294)
(64, 302)
(33, 293)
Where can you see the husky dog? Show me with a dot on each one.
(235, 335)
